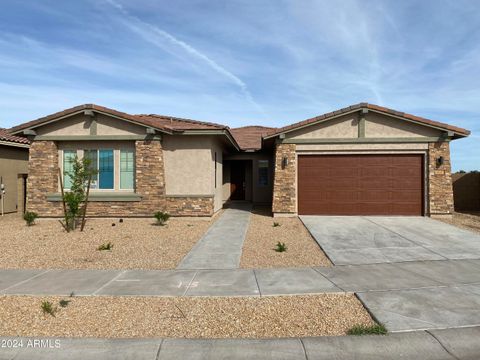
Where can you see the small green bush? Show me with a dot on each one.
(64, 303)
(276, 224)
(377, 329)
(162, 217)
(281, 247)
(48, 308)
(30, 217)
(107, 246)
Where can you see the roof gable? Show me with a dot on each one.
(458, 132)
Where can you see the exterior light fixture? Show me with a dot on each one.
(440, 161)
(284, 162)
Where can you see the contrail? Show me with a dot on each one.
(190, 50)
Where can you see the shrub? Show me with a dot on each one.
(377, 329)
(30, 217)
(48, 308)
(64, 303)
(81, 172)
(107, 246)
(281, 247)
(276, 224)
(162, 217)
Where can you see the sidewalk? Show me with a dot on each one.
(461, 343)
(404, 296)
(221, 246)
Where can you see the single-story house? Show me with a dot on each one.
(13, 172)
(360, 160)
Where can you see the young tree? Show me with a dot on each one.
(80, 176)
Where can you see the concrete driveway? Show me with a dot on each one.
(349, 240)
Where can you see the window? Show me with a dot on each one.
(92, 155)
(263, 172)
(68, 157)
(103, 162)
(126, 169)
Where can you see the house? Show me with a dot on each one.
(13, 172)
(361, 160)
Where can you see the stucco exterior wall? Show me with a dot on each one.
(84, 125)
(188, 165)
(343, 127)
(13, 162)
(378, 126)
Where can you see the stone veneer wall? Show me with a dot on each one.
(42, 178)
(190, 206)
(440, 189)
(284, 192)
(149, 183)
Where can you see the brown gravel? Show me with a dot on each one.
(127, 317)
(137, 243)
(302, 250)
(468, 221)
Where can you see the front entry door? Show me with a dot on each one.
(237, 180)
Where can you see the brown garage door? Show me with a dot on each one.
(360, 185)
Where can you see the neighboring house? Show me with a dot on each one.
(360, 160)
(13, 171)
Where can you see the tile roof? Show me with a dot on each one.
(7, 137)
(250, 137)
(174, 123)
(406, 116)
(167, 123)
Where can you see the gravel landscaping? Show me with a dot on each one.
(468, 221)
(184, 317)
(262, 237)
(137, 243)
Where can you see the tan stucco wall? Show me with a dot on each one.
(190, 167)
(343, 127)
(110, 126)
(378, 125)
(217, 148)
(80, 125)
(13, 162)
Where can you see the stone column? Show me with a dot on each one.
(440, 192)
(284, 186)
(42, 178)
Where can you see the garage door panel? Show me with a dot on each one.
(360, 184)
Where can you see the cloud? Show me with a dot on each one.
(139, 26)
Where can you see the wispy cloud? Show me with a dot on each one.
(189, 49)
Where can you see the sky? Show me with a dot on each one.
(240, 63)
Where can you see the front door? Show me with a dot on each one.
(237, 180)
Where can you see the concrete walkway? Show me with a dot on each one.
(450, 344)
(352, 240)
(403, 296)
(221, 246)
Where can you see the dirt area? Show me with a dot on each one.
(137, 243)
(468, 221)
(262, 237)
(184, 317)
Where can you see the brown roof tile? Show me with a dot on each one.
(458, 130)
(6, 136)
(250, 137)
